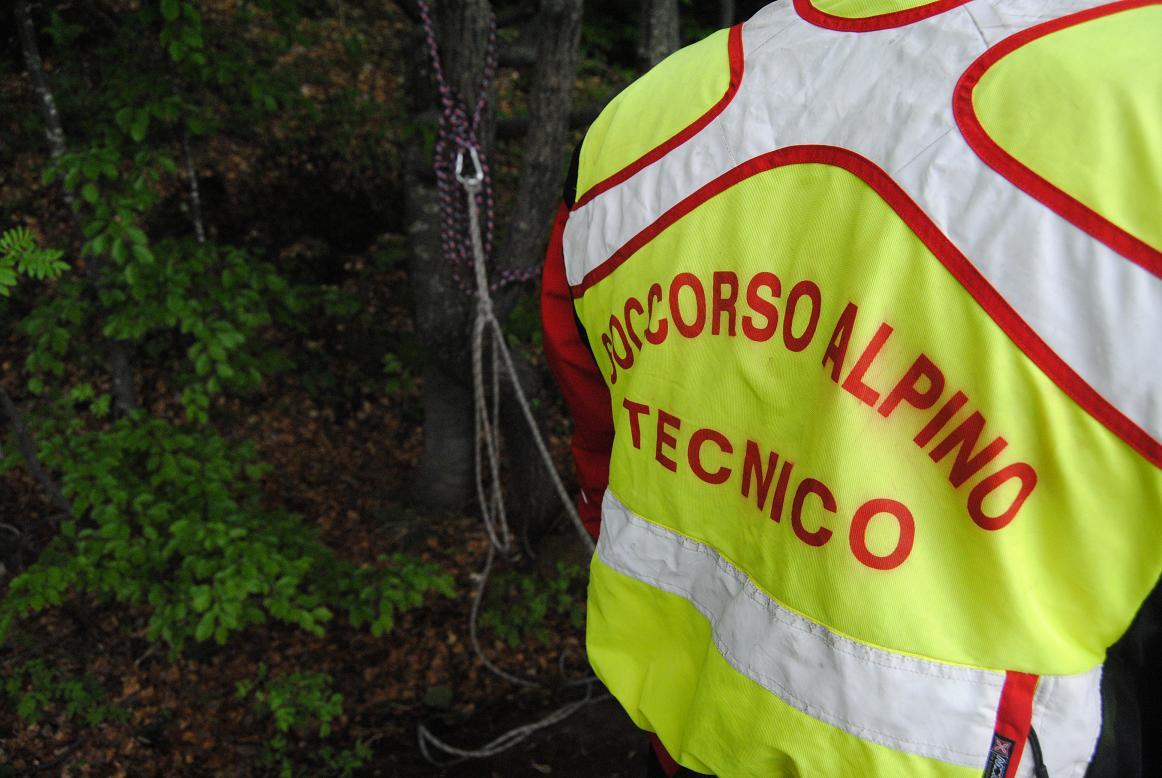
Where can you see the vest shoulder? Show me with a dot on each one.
(661, 109)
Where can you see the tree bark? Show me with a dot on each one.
(443, 313)
(557, 32)
(195, 191)
(517, 127)
(659, 31)
(725, 13)
(120, 363)
(442, 310)
(442, 319)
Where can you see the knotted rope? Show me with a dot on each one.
(467, 238)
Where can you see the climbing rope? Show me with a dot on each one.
(466, 238)
(457, 133)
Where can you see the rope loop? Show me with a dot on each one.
(470, 183)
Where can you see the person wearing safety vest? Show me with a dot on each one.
(857, 307)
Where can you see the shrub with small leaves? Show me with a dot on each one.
(171, 517)
(518, 603)
(36, 689)
(301, 706)
(165, 511)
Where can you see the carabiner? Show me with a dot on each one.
(477, 177)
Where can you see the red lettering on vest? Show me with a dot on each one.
(666, 422)
(946, 412)
(836, 351)
(694, 453)
(687, 328)
(826, 498)
(658, 334)
(632, 305)
(781, 490)
(854, 384)
(764, 308)
(803, 289)
(615, 328)
(1019, 470)
(752, 467)
(857, 536)
(635, 410)
(725, 300)
(964, 439)
(608, 344)
(907, 388)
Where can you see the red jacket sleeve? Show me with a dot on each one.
(580, 380)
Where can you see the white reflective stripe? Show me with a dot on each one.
(1067, 718)
(923, 707)
(803, 85)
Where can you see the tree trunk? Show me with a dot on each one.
(443, 312)
(442, 319)
(557, 31)
(725, 13)
(659, 31)
(120, 364)
(53, 129)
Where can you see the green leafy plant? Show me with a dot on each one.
(301, 705)
(21, 255)
(399, 376)
(519, 603)
(35, 689)
(167, 512)
(174, 521)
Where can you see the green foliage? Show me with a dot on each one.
(373, 596)
(399, 376)
(20, 255)
(174, 520)
(523, 324)
(166, 512)
(298, 702)
(36, 689)
(301, 705)
(518, 603)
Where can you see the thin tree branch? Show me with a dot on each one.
(195, 204)
(195, 192)
(28, 450)
(120, 365)
(53, 130)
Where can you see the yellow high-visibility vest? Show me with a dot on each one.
(876, 288)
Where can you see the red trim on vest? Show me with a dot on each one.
(581, 382)
(1015, 715)
(1026, 339)
(1065, 205)
(735, 53)
(808, 12)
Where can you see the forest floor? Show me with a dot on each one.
(347, 473)
(182, 716)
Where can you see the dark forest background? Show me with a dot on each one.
(238, 532)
